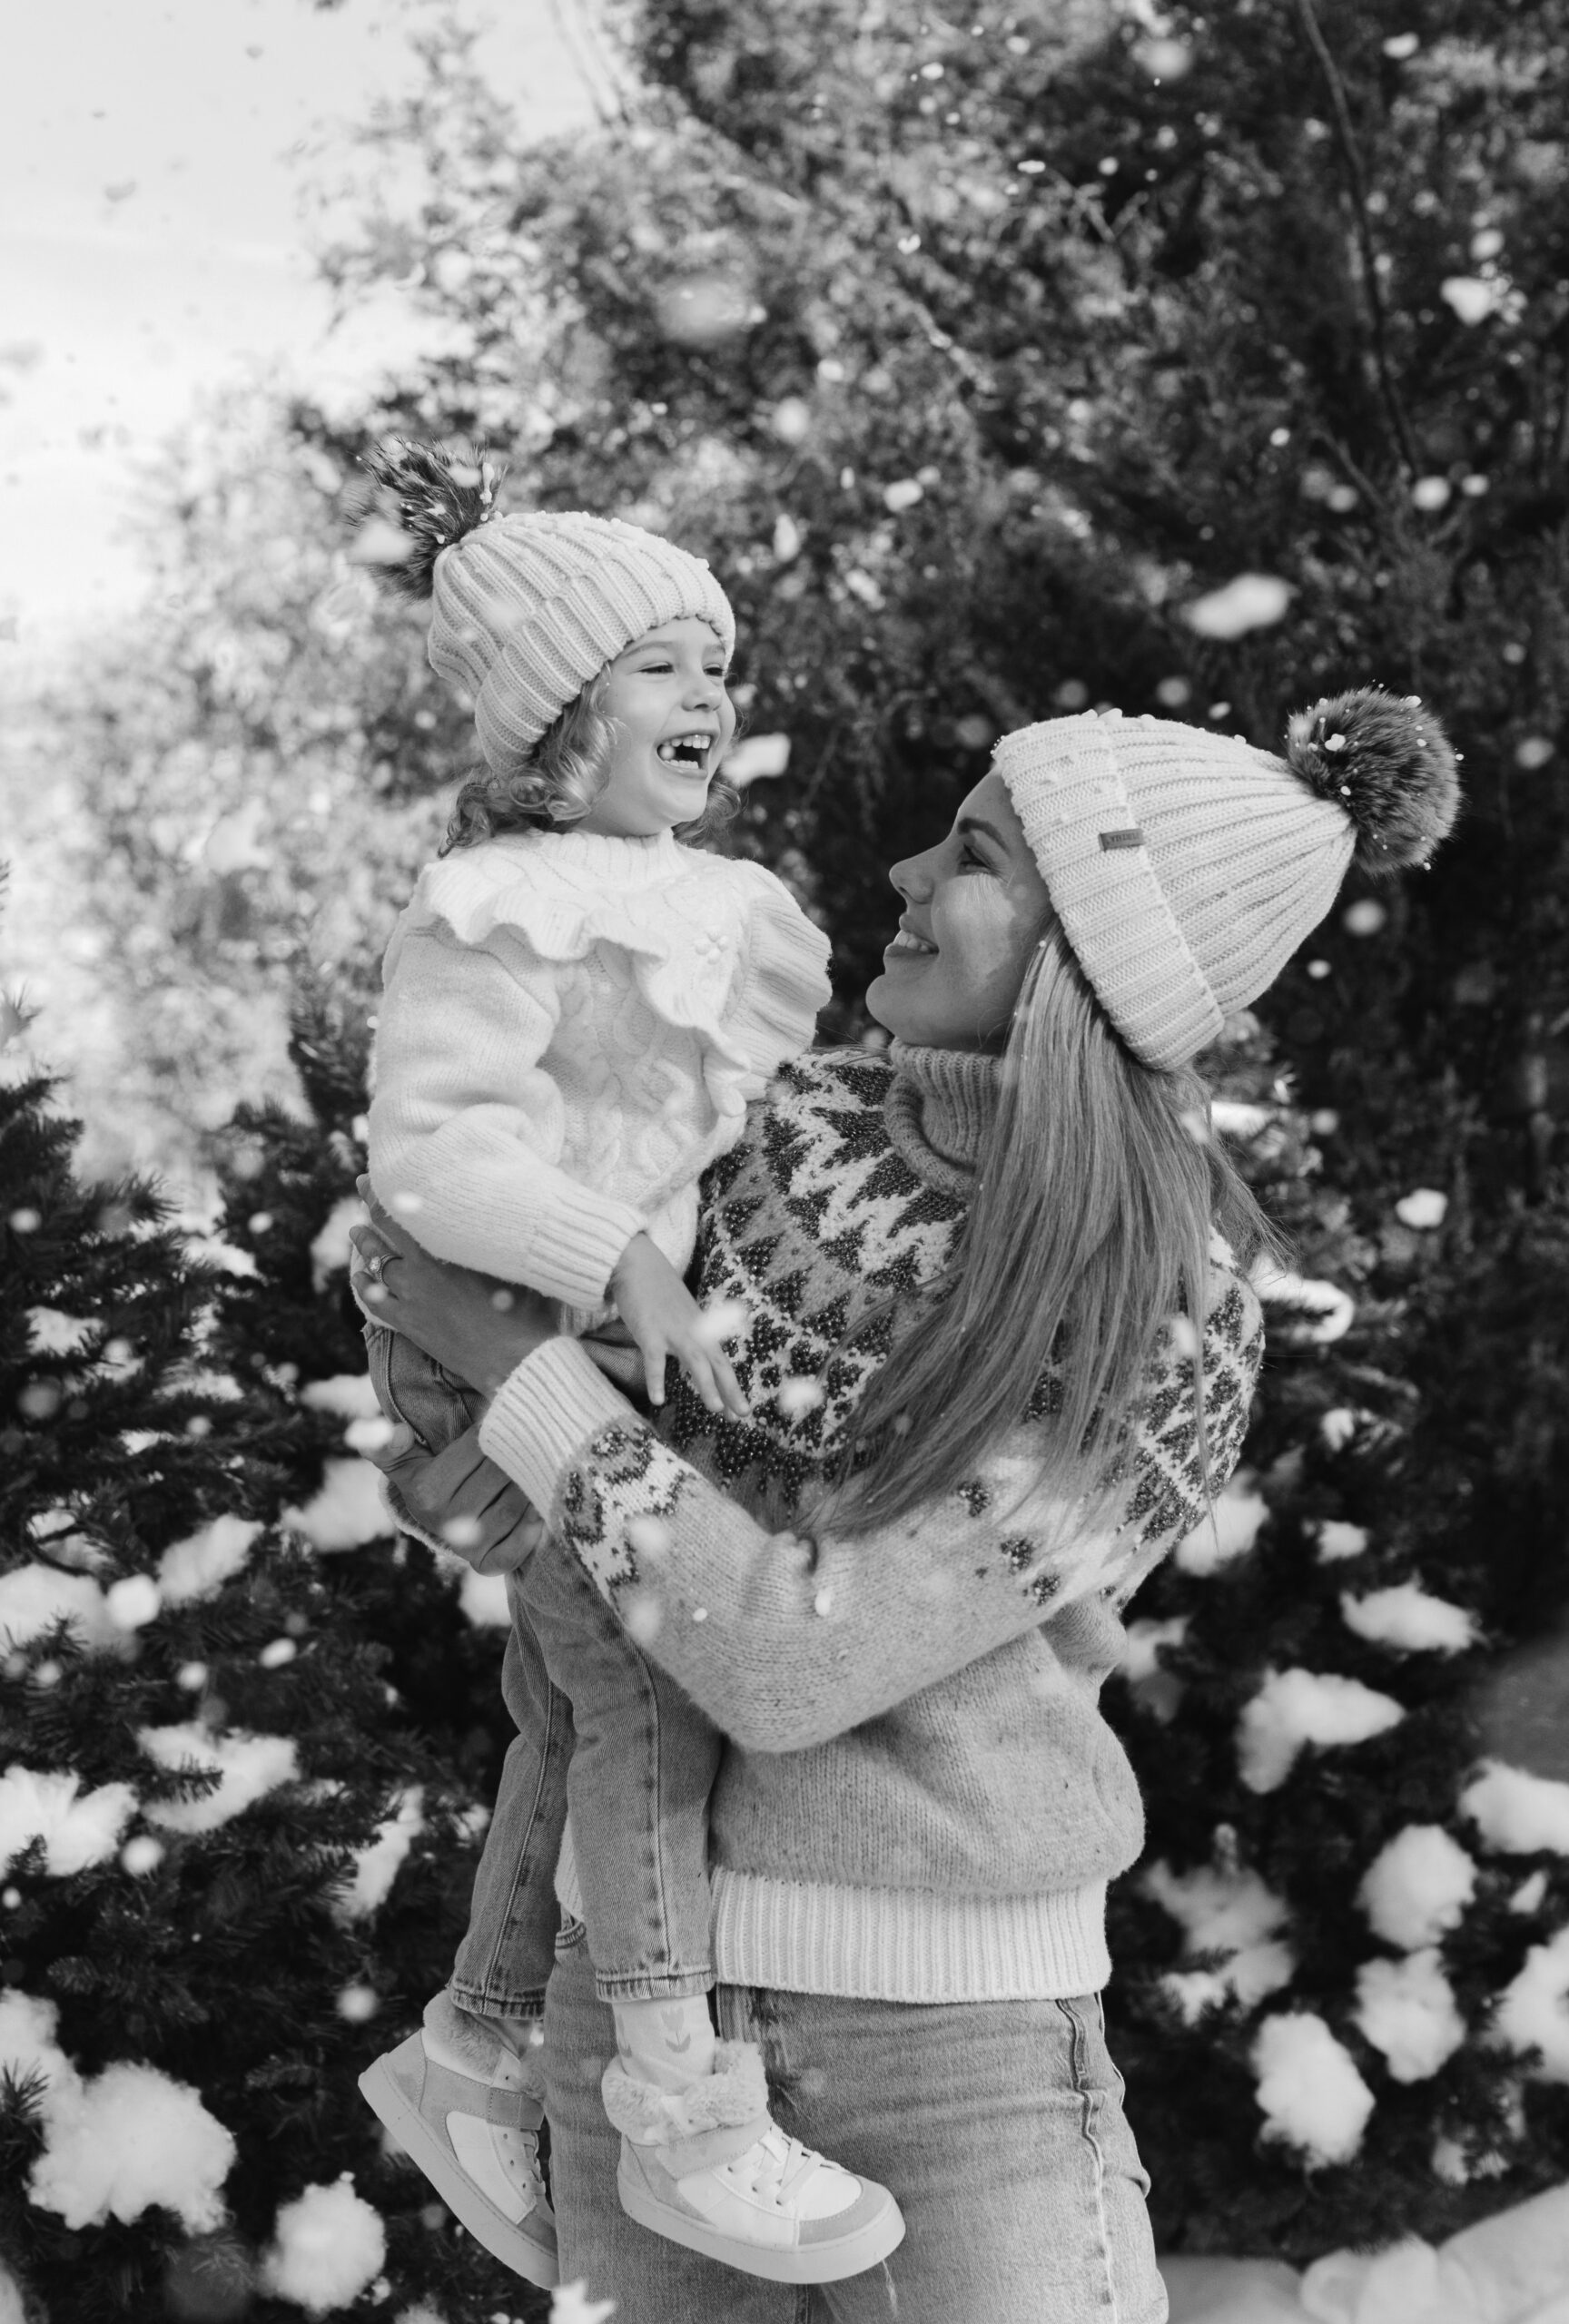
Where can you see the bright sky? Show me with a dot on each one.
(151, 244)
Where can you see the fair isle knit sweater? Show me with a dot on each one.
(572, 1028)
(920, 1800)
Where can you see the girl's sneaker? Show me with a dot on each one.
(475, 2134)
(708, 2167)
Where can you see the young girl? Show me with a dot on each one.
(578, 1009)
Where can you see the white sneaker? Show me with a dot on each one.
(741, 2189)
(477, 2144)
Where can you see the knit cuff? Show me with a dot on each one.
(577, 1244)
(543, 1416)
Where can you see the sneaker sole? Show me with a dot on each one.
(799, 2264)
(512, 2245)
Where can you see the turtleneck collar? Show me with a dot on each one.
(602, 857)
(940, 1108)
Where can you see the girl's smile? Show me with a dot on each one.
(673, 722)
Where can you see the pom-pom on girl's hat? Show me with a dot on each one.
(1186, 867)
(527, 608)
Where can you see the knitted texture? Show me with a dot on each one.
(571, 1028)
(920, 1800)
(528, 608)
(1185, 867)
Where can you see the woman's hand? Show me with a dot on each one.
(478, 1329)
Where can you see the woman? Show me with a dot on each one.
(985, 1298)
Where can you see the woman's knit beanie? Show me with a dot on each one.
(527, 608)
(1186, 867)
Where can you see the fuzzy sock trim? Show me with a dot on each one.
(734, 2093)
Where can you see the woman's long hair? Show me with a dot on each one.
(1099, 1190)
(560, 780)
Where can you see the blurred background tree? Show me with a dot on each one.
(1008, 361)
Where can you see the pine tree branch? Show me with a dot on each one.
(1357, 178)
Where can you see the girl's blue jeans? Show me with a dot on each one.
(999, 2125)
(601, 1730)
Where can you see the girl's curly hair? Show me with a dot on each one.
(560, 780)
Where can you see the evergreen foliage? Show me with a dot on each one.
(150, 1397)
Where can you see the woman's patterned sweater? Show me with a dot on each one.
(922, 1800)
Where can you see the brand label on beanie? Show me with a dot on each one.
(1133, 838)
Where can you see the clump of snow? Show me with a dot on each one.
(1247, 601)
(1423, 1207)
(1528, 1897)
(482, 1598)
(376, 1866)
(1233, 1118)
(28, 2043)
(1337, 1428)
(1418, 1886)
(249, 1766)
(1335, 1538)
(76, 1832)
(35, 1597)
(198, 1566)
(1154, 1688)
(1226, 1910)
(349, 1394)
(1229, 1531)
(1406, 1618)
(134, 1602)
(1309, 2091)
(1407, 2009)
(129, 2138)
(12, 2311)
(328, 2246)
(758, 757)
(571, 2305)
(54, 1333)
(1323, 1312)
(348, 1511)
(1532, 2010)
(330, 1249)
(1516, 1813)
(1297, 1709)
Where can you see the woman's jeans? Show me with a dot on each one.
(999, 2126)
(599, 1729)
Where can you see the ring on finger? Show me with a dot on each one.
(376, 1266)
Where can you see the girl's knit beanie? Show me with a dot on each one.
(527, 608)
(1187, 867)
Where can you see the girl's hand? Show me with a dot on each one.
(664, 1320)
(478, 1329)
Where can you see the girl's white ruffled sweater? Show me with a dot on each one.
(571, 1028)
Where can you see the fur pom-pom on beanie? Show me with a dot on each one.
(1187, 867)
(525, 607)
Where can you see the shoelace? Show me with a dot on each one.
(521, 2147)
(784, 2166)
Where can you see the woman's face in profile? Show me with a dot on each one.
(974, 908)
